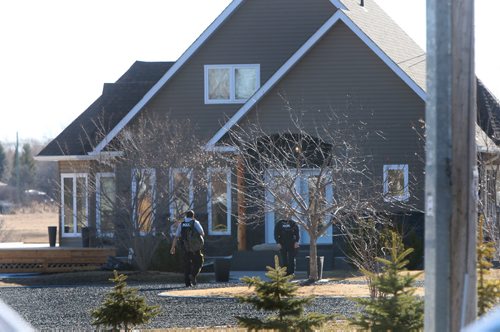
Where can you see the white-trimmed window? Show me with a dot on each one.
(181, 191)
(396, 183)
(219, 201)
(105, 203)
(226, 84)
(74, 202)
(144, 199)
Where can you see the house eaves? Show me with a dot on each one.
(230, 9)
(105, 155)
(339, 16)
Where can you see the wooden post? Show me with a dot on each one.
(450, 194)
(242, 227)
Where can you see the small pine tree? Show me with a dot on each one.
(395, 308)
(488, 291)
(123, 308)
(279, 295)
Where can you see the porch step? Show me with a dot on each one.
(258, 260)
(49, 260)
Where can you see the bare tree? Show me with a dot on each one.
(316, 173)
(5, 234)
(159, 170)
(488, 168)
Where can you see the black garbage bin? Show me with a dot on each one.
(320, 261)
(222, 266)
(52, 235)
(85, 237)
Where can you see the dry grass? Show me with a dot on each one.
(29, 225)
(332, 326)
(352, 288)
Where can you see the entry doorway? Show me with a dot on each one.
(304, 186)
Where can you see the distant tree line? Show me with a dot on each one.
(22, 172)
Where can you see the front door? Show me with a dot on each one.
(304, 186)
(74, 202)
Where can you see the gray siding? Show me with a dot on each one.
(343, 74)
(265, 32)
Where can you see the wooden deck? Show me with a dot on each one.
(46, 260)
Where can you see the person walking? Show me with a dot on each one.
(287, 235)
(190, 235)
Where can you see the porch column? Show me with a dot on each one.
(242, 226)
(451, 172)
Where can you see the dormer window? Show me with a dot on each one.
(227, 84)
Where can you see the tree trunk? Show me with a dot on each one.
(313, 259)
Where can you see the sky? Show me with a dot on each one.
(56, 54)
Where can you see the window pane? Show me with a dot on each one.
(283, 203)
(68, 205)
(246, 82)
(218, 84)
(219, 202)
(145, 201)
(396, 182)
(181, 198)
(81, 203)
(106, 203)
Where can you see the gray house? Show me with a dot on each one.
(318, 53)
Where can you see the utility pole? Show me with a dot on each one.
(451, 167)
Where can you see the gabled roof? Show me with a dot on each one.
(488, 115)
(84, 133)
(123, 100)
(377, 30)
(230, 9)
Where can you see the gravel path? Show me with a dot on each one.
(67, 308)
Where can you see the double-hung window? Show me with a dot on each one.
(105, 203)
(143, 200)
(396, 183)
(74, 202)
(226, 84)
(219, 201)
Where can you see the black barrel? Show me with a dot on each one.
(52, 235)
(222, 266)
(85, 237)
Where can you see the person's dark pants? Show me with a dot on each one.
(288, 258)
(192, 266)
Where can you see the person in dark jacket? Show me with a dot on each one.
(193, 260)
(287, 235)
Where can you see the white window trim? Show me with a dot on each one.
(74, 176)
(228, 197)
(133, 192)
(406, 194)
(484, 198)
(232, 85)
(98, 202)
(173, 172)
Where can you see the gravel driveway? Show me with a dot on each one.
(68, 308)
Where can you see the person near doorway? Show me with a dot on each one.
(287, 235)
(192, 255)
